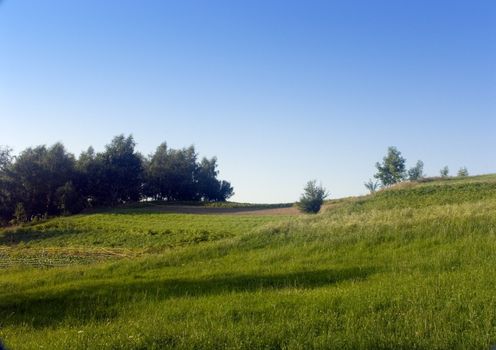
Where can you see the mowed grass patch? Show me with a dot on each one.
(133, 230)
(43, 257)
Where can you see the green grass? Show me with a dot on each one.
(147, 206)
(413, 267)
(133, 229)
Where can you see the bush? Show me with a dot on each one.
(312, 198)
(372, 186)
(463, 172)
(444, 172)
(417, 172)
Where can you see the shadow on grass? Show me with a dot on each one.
(23, 235)
(102, 302)
(195, 210)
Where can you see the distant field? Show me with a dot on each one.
(413, 267)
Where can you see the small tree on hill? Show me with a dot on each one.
(371, 185)
(444, 172)
(312, 198)
(417, 172)
(463, 172)
(392, 169)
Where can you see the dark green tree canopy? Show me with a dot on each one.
(6, 185)
(5, 158)
(177, 175)
(44, 180)
(36, 175)
(122, 169)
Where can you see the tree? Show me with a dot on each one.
(206, 175)
(226, 191)
(312, 198)
(174, 175)
(116, 175)
(371, 185)
(44, 181)
(69, 199)
(209, 187)
(36, 175)
(182, 173)
(171, 174)
(6, 188)
(20, 215)
(417, 172)
(463, 172)
(90, 178)
(5, 157)
(444, 171)
(392, 169)
(59, 169)
(157, 184)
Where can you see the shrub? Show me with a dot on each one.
(312, 198)
(371, 185)
(417, 172)
(444, 171)
(463, 172)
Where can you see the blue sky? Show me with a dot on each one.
(280, 91)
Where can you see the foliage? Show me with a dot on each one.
(371, 185)
(226, 191)
(417, 172)
(6, 200)
(392, 169)
(463, 171)
(36, 175)
(20, 215)
(444, 172)
(50, 181)
(176, 175)
(312, 198)
(5, 157)
(69, 199)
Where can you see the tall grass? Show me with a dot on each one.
(411, 267)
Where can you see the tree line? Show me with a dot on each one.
(392, 170)
(45, 181)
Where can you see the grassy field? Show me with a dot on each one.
(413, 267)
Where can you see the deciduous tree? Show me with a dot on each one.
(392, 169)
(417, 172)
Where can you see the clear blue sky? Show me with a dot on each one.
(280, 91)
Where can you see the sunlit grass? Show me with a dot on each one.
(381, 272)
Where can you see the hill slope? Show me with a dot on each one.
(410, 267)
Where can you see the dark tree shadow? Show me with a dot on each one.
(102, 301)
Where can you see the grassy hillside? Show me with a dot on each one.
(410, 267)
